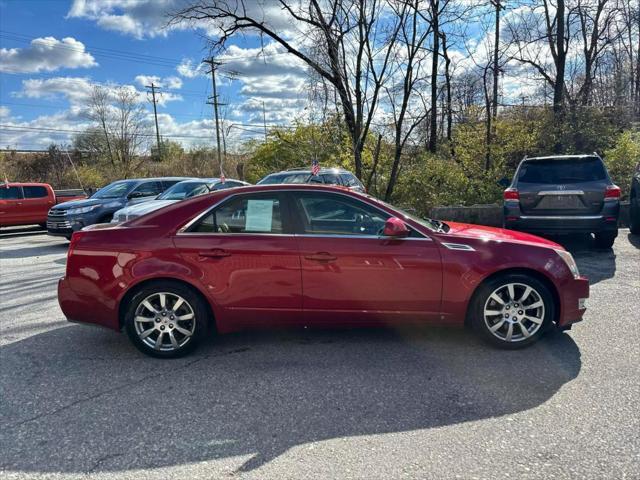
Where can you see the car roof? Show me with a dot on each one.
(211, 180)
(308, 170)
(563, 157)
(25, 184)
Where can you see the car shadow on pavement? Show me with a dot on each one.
(36, 251)
(81, 399)
(595, 264)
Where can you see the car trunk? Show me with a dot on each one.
(562, 187)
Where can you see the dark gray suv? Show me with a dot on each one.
(563, 194)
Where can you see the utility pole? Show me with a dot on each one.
(213, 64)
(153, 88)
(264, 121)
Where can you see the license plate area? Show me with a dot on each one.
(567, 202)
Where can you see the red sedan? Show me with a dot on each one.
(284, 255)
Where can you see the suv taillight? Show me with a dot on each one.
(612, 191)
(511, 194)
(75, 238)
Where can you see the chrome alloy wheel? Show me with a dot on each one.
(164, 321)
(514, 312)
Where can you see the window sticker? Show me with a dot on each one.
(259, 215)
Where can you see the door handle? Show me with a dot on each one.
(321, 257)
(214, 253)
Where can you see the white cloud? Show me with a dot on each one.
(174, 83)
(77, 90)
(149, 18)
(46, 54)
(4, 112)
(189, 69)
(138, 18)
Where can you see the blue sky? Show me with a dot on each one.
(84, 42)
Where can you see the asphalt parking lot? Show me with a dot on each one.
(79, 401)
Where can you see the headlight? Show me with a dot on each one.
(571, 263)
(75, 211)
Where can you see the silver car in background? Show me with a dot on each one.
(180, 191)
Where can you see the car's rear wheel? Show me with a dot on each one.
(512, 310)
(605, 239)
(166, 319)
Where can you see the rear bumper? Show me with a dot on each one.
(574, 296)
(605, 221)
(86, 308)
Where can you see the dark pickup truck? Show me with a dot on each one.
(28, 203)
(563, 194)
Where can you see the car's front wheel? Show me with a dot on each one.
(512, 310)
(166, 319)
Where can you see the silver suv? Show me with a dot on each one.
(327, 176)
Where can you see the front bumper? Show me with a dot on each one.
(574, 297)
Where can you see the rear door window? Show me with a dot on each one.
(574, 170)
(148, 189)
(245, 214)
(11, 193)
(35, 192)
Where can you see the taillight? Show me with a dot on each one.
(511, 194)
(75, 238)
(612, 191)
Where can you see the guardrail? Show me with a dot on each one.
(491, 215)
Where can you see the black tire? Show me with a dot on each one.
(605, 240)
(192, 300)
(634, 215)
(539, 292)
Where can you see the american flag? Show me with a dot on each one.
(315, 168)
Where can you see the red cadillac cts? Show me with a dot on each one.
(284, 255)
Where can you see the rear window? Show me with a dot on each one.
(34, 192)
(562, 171)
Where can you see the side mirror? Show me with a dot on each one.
(135, 195)
(394, 227)
(504, 182)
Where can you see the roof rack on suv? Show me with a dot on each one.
(302, 169)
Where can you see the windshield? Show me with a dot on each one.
(572, 170)
(434, 225)
(285, 178)
(183, 190)
(114, 190)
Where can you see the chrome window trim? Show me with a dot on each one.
(183, 230)
(560, 192)
(562, 217)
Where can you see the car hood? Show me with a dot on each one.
(82, 203)
(145, 207)
(498, 234)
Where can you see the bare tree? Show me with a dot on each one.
(408, 69)
(98, 111)
(353, 45)
(120, 119)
